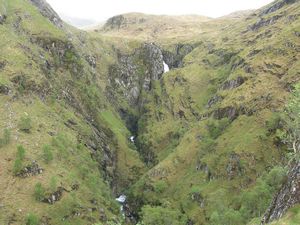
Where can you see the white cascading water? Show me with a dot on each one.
(121, 199)
(166, 67)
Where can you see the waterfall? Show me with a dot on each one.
(166, 67)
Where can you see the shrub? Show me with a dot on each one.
(6, 138)
(160, 186)
(18, 166)
(276, 177)
(39, 192)
(215, 128)
(25, 124)
(21, 152)
(162, 216)
(47, 154)
(273, 123)
(32, 219)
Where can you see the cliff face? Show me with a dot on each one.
(287, 197)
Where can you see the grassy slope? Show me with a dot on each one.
(46, 99)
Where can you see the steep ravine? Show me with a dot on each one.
(181, 132)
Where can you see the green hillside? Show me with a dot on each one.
(88, 116)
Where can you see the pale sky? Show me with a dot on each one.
(100, 10)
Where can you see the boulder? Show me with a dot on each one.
(55, 196)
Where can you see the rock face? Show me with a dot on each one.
(47, 11)
(231, 84)
(287, 197)
(31, 170)
(234, 166)
(274, 7)
(174, 59)
(132, 78)
(262, 22)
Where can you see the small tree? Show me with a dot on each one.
(21, 152)
(18, 165)
(25, 124)
(47, 154)
(39, 192)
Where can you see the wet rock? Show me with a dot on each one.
(233, 167)
(277, 5)
(47, 11)
(55, 196)
(231, 84)
(31, 170)
(287, 197)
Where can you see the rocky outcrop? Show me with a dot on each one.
(197, 197)
(121, 21)
(231, 84)
(47, 11)
(276, 6)
(31, 170)
(136, 72)
(175, 59)
(262, 22)
(114, 23)
(229, 112)
(55, 196)
(214, 100)
(4, 89)
(287, 197)
(234, 166)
